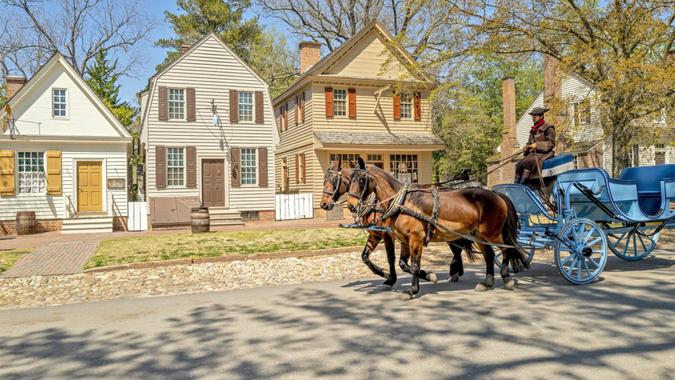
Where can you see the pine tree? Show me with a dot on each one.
(102, 77)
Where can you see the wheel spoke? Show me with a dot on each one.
(566, 259)
(595, 241)
(579, 268)
(594, 263)
(619, 239)
(635, 250)
(643, 243)
(589, 234)
(586, 268)
(571, 268)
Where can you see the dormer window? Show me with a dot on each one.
(59, 103)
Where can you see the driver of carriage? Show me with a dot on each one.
(540, 146)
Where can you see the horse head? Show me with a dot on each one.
(361, 185)
(335, 183)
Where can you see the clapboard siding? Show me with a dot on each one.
(213, 71)
(296, 136)
(113, 157)
(368, 120)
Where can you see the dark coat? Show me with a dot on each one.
(545, 140)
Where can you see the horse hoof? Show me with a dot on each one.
(480, 287)
(510, 284)
(389, 283)
(454, 278)
(433, 278)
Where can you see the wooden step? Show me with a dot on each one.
(87, 224)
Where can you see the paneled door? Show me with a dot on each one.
(89, 186)
(213, 183)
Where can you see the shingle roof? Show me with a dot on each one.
(375, 138)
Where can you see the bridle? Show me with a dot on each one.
(336, 180)
(361, 197)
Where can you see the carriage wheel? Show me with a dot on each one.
(635, 243)
(581, 251)
(498, 255)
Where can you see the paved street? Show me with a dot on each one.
(620, 327)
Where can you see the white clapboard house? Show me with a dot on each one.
(63, 155)
(209, 135)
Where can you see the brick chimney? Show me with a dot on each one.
(14, 84)
(509, 144)
(310, 55)
(552, 81)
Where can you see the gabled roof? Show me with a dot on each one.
(58, 59)
(337, 54)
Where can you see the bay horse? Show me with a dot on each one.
(336, 183)
(485, 215)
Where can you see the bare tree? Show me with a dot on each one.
(78, 30)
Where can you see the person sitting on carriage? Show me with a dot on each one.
(540, 146)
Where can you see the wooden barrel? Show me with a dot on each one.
(200, 220)
(25, 222)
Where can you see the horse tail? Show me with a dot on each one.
(516, 257)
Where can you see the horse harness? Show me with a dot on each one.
(335, 182)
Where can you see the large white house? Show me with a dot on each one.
(63, 155)
(209, 134)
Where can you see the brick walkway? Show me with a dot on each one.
(55, 258)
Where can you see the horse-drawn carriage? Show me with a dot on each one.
(589, 212)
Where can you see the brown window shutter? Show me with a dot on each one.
(53, 172)
(262, 167)
(329, 102)
(297, 168)
(7, 180)
(191, 105)
(160, 167)
(235, 165)
(191, 167)
(259, 108)
(302, 107)
(163, 104)
(296, 110)
(352, 102)
(417, 106)
(304, 168)
(234, 106)
(286, 115)
(397, 107)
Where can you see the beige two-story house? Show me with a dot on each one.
(367, 99)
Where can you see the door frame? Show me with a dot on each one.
(226, 179)
(104, 182)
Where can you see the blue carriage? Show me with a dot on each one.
(588, 213)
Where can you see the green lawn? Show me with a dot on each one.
(9, 258)
(186, 245)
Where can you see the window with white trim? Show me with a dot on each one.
(175, 166)
(404, 167)
(339, 102)
(249, 166)
(406, 106)
(59, 102)
(31, 172)
(246, 106)
(176, 103)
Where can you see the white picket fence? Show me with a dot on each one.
(294, 206)
(137, 216)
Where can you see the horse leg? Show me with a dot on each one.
(403, 263)
(416, 248)
(391, 259)
(456, 265)
(489, 255)
(509, 283)
(373, 241)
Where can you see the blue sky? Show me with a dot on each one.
(153, 55)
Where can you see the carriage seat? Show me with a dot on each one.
(557, 164)
(648, 180)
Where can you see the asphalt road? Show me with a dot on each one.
(620, 327)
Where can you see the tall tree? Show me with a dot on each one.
(626, 48)
(102, 77)
(78, 29)
(263, 50)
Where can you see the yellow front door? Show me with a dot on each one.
(89, 186)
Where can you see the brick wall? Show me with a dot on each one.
(8, 227)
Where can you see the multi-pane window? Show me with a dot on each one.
(248, 166)
(347, 158)
(406, 106)
(31, 172)
(59, 103)
(404, 167)
(246, 106)
(177, 103)
(339, 102)
(376, 159)
(175, 167)
(582, 112)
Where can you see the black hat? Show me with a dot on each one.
(538, 111)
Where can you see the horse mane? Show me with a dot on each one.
(393, 182)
